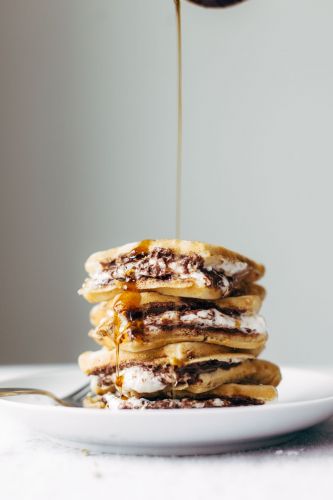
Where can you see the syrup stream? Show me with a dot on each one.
(180, 120)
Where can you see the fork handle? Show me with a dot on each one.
(18, 391)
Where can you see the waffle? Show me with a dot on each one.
(253, 380)
(149, 321)
(181, 370)
(180, 327)
(171, 267)
(248, 303)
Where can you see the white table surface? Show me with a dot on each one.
(33, 468)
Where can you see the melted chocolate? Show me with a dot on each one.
(189, 373)
(156, 264)
(155, 308)
(200, 328)
(172, 404)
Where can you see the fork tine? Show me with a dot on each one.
(78, 393)
(83, 393)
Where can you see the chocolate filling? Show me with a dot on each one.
(158, 264)
(146, 334)
(246, 331)
(172, 404)
(184, 374)
(146, 319)
(155, 308)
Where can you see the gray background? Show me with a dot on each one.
(87, 155)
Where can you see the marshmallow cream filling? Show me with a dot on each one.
(143, 380)
(103, 278)
(115, 403)
(136, 378)
(208, 318)
(140, 380)
(123, 270)
(202, 318)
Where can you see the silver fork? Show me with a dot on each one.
(74, 399)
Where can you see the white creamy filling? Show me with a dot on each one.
(124, 270)
(103, 278)
(134, 378)
(94, 382)
(143, 381)
(210, 318)
(114, 402)
(140, 380)
(100, 278)
(197, 276)
(229, 268)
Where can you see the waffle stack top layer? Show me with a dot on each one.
(172, 267)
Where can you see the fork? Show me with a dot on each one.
(74, 399)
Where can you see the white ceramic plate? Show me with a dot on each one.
(306, 399)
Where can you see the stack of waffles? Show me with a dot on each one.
(179, 326)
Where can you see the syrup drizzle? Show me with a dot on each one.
(180, 119)
(126, 300)
(179, 171)
(123, 302)
(131, 297)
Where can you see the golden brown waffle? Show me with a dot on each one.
(224, 396)
(171, 267)
(151, 320)
(181, 354)
(253, 379)
(153, 340)
(245, 304)
(184, 370)
(259, 392)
